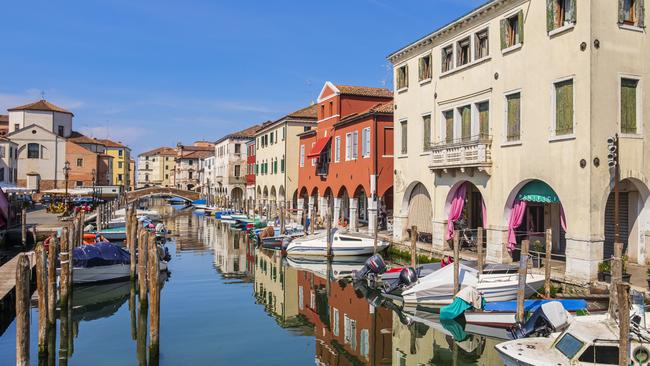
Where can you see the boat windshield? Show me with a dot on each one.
(569, 345)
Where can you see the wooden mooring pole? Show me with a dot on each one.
(456, 261)
(328, 227)
(64, 290)
(51, 281)
(23, 274)
(623, 291)
(41, 288)
(154, 300)
(142, 264)
(414, 245)
(132, 235)
(521, 288)
(547, 263)
(23, 226)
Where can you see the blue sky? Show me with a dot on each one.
(152, 73)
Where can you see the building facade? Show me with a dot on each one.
(515, 140)
(230, 164)
(8, 162)
(207, 176)
(121, 162)
(250, 170)
(277, 162)
(87, 168)
(188, 168)
(347, 159)
(156, 167)
(40, 130)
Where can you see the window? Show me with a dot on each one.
(483, 110)
(282, 165)
(331, 108)
(2, 174)
(237, 148)
(631, 12)
(190, 162)
(424, 68)
(365, 142)
(629, 105)
(465, 114)
(120, 152)
(302, 156)
(569, 345)
(481, 45)
(404, 133)
(61, 131)
(2, 151)
(16, 126)
(350, 331)
(364, 341)
(426, 127)
(284, 132)
(563, 107)
(79, 183)
(463, 52)
(602, 355)
(313, 160)
(120, 164)
(237, 170)
(190, 175)
(80, 162)
(33, 151)
(337, 149)
(335, 322)
(560, 13)
(447, 58)
(513, 117)
(512, 30)
(272, 134)
(448, 117)
(402, 77)
(119, 177)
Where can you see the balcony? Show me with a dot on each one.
(464, 154)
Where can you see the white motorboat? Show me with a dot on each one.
(588, 340)
(436, 289)
(151, 214)
(344, 243)
(342, 267)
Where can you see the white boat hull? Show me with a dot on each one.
(115, 272)
(343, 244)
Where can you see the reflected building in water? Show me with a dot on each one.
(349, 331)
(230, 252)
(276, 287)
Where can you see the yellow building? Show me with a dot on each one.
(121, 162)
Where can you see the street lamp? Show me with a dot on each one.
(66, 174)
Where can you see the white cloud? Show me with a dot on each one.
(127, 135)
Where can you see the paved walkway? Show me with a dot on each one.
(8, 274)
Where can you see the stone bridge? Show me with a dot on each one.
(161, 191)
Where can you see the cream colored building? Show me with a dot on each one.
(514, 103)
(156, 167)
(276, 286)
(230, 165)
(277, 158)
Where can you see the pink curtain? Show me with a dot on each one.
(516, 218)
(562, 218)
(455, 210)
(4, 209)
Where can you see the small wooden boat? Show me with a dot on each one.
(113, 234)
(343, 244)
(501, 314)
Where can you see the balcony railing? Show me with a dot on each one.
(469, 152)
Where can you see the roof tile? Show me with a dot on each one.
(41, 105)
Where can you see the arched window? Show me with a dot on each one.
(33, 151)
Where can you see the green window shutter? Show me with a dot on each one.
(406, 76)
(427, 131)
(449, 126)
(520, 23)
(564, 107)
(628, 105)
(421, 69)
(466, 122)
(484, 119)
(514, 117)
(404, 138)
(504, 44)
(282, 165)
(621, 11)
(641, 13)
(550, 15)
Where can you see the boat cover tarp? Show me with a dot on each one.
(199, 202)
(453, 310)
(99, 254)
(532, 305)
(456, 330)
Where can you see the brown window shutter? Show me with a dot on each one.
(504, 44)
(520, 23)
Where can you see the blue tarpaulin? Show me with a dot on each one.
(100, 254)
(532, 305)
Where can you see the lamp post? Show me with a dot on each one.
(66, 174)
(94, 173)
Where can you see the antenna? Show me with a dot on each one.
(42, 94)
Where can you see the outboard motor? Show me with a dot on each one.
(376, 299)
(160, 228)
(407, 277)
(167, 257)
(548, 318)
(374, 266)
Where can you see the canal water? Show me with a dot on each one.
(226, 303)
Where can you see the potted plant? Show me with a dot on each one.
(604, 272)
(537, 250)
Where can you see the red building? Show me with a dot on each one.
(347, 159)
(348, 330)
(250, 169)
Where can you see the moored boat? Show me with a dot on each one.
(343, 244)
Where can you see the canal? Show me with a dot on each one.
(226, 303)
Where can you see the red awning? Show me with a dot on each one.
(319, 147)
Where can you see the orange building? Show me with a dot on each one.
(347, 159)
(86, 165)
(348, 330)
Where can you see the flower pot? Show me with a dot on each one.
(607, 277)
